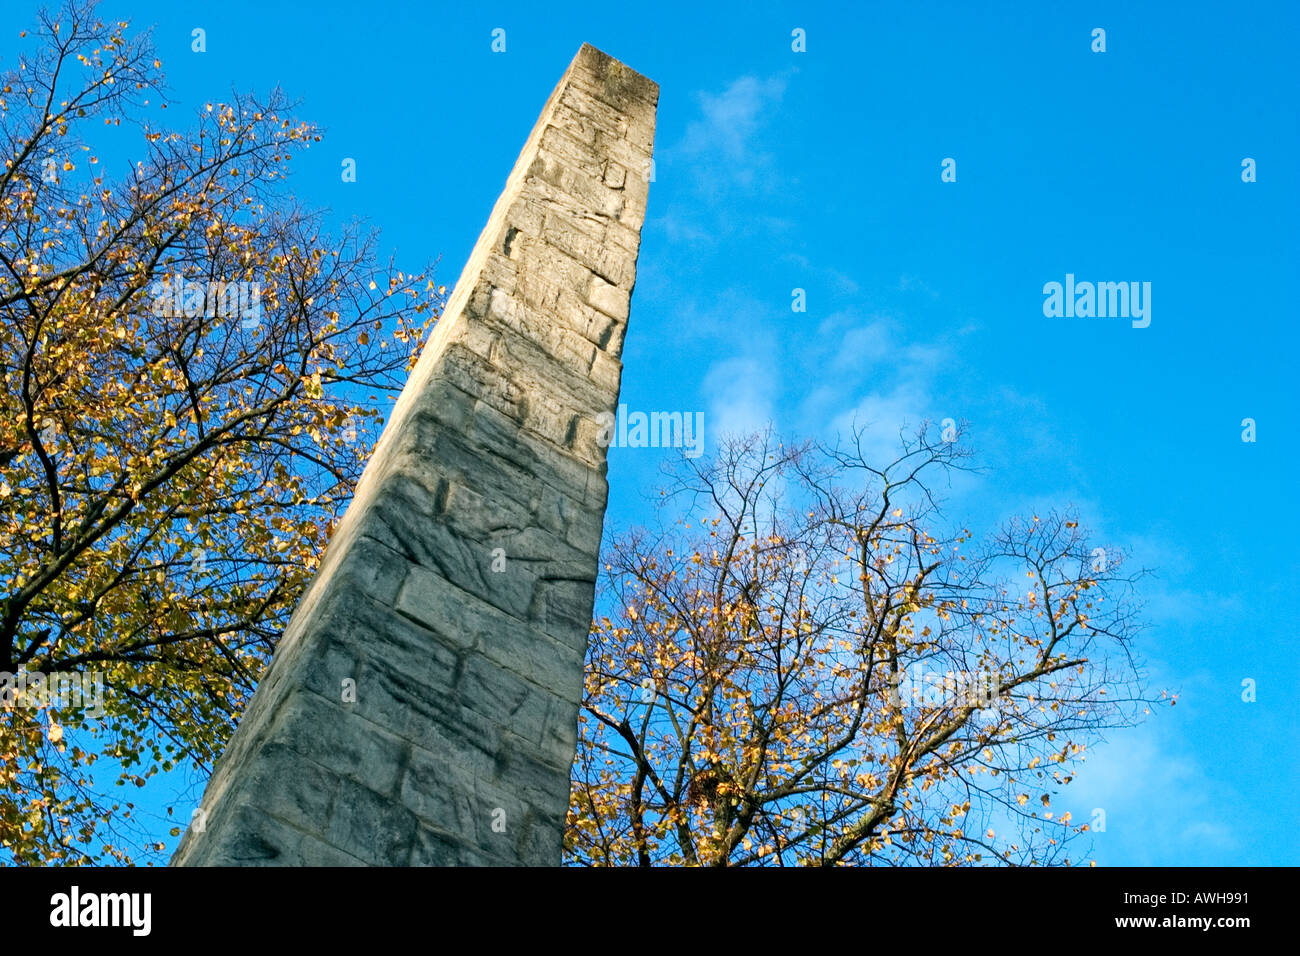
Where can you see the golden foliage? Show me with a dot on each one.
(191, 374)
(757, 693)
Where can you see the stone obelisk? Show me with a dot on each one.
(421, 707)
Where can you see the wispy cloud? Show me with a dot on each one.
(741, 395)
(721, 155)
(1145, 783)
(820, 377)
(731, 118)
(855, 370)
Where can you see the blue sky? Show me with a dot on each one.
(820, 170)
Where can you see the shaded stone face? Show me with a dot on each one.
(422, 705)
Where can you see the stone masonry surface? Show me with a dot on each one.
(458, 746)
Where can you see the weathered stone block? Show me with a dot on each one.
(421, 708)
(371, 827)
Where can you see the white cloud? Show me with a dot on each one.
(883, 416)
(740, 396)
(732, 117)
(719, 154)
(858, 371)
(1146, 785)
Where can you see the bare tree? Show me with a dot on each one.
(808, 667)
